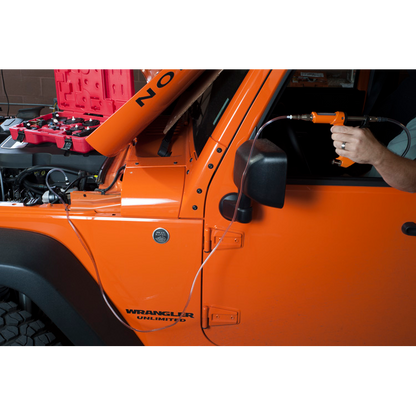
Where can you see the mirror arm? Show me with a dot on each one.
(244, 212)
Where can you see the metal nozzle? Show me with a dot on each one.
(304, 117)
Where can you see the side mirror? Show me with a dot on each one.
(265, 180)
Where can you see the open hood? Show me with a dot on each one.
(148, 103)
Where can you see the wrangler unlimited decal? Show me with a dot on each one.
(158, 315)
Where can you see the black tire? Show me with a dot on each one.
(4, 293)
(19, 328)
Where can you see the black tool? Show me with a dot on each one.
(91, 122)
(74, 120)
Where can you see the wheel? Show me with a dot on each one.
(19, 328)
(4, 293)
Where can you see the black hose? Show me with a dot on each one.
(409, 137)
(28, 171)
(103, 191)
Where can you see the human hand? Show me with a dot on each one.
(357, 144)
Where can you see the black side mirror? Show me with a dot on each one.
(265, 180)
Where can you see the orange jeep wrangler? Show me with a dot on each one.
(208, 212)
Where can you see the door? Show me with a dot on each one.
(332, 267)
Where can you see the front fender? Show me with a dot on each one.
(56, 281)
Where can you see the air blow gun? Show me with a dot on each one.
(339, 119)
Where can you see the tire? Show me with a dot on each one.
(4, 293)
(19, 328)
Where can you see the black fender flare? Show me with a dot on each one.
(56, 281)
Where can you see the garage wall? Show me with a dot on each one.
(36, 86)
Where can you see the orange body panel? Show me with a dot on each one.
(200, 172)
(317, 272)
(360, 294)
(152, 192)
(303, 275)
(137, 273)
(141, 274)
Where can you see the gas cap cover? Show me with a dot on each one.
(161, 236)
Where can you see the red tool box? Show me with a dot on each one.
(86, 98)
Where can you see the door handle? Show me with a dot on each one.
(409, 228)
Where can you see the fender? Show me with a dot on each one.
(56, 281)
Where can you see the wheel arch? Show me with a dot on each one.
(55, 280)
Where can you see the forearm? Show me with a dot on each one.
(397, 171)
(361, 146)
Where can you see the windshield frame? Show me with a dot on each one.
(208, 109)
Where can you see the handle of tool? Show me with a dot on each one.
(342, 161)
(336, 119)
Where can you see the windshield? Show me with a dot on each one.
(208, 109)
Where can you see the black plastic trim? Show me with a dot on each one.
(342, 181)
(409, 228)
(56, 281)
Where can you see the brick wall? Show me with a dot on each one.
(36, 86)
(27, 86)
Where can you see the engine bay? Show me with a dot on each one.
(24, 168)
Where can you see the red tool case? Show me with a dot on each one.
(86, 98)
